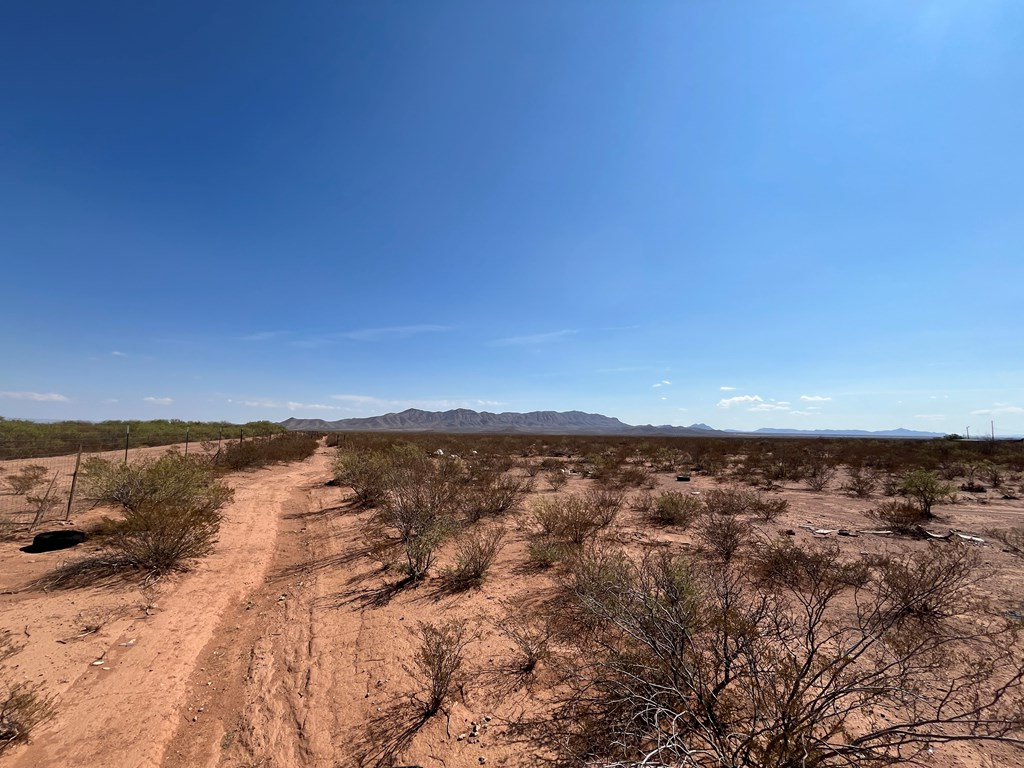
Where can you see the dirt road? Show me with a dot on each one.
(124, 710)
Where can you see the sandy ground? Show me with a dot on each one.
(285, 648)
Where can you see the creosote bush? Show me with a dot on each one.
(675, 508)
(899, 516)
(494, 495)
(170, 506)
(860, 482)
(475, 552)
(569, 520)
(826, 663)
(264, 451)
(23, 707)
(532, 638)
(438, 661)
(27, 479)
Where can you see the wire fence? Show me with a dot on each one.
(39, 488)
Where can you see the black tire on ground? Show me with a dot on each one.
(49, 541)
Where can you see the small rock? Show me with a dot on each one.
(460, 737)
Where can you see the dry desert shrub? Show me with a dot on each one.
(438, 661)
(475, 553)
(531, 637)
(860, 482)
(494, 495)
(571, 520)
(27, 479)
(675, 508)
(170, 516)
(23, 707)
(557, 478)
(899, 516)
(692, 662)
(723, 536)
(929, 585)
(605, 504)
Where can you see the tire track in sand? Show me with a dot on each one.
(126, 712)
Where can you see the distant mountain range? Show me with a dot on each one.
(549, 423)
(465, 420)
(908, 433)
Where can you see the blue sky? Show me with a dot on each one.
(746, 214)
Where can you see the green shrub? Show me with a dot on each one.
(675, 508)
(171, 509)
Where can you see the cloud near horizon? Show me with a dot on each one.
(815, 398)
(728, 402)
(158, 400)
(999, 409)
(727, 389)
(39, 397)
(765, 407)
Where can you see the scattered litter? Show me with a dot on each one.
(968, 537)
(931, 535)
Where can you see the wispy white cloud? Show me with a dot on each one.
(39, 397)
(116, 353)
(815, 398)
(764, 407)
(536, 338)
(293, 406)
(361, 399)
(727, 389)
(662, 383)
(264, 336)
(260, 403)
(999, 409)
(158, 400)
(393, 332)
(728, 402)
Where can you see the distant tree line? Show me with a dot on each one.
(29, 439)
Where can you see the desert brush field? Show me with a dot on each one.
(432, 600)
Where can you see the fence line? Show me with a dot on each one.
(39, 486)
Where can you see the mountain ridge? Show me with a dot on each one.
(464, 420)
